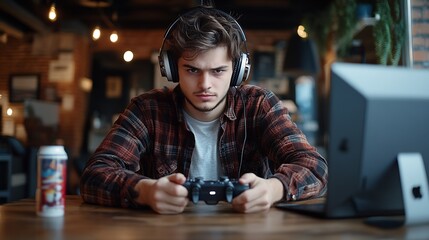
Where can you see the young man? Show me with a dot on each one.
(208, 126)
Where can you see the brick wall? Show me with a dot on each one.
(420, 32)
(18, 56)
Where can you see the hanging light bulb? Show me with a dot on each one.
(96, 33)
(114, 37)
(128, 56)
(52, 15)
(301, 32)
(9, 111)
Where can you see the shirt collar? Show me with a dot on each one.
(230, 102)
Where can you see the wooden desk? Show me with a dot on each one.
(18, 220)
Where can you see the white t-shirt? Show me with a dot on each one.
(205, 160)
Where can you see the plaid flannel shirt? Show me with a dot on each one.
(150, 139)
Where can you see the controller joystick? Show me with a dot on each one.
(195, 192)
(211, 192)
(229, 191)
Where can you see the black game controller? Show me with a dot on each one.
(211, 192)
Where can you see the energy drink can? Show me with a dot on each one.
(51, 181)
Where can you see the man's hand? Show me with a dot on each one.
(261, 195)
(165, 195)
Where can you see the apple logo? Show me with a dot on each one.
(417, 194)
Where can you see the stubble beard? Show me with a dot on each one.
(206, 110)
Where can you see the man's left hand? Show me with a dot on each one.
(261, 195)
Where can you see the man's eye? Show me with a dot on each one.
(218, 71)
(192, 70)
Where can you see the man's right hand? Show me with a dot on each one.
(166, 195)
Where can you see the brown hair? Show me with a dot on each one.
(205, 28)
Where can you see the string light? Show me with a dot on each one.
(9, 111)
(114, 37)
(96, 33)
(128, 56)
(301, 32)
(52, 15)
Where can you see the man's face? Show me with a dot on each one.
(205, 80)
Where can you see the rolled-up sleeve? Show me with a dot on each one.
(301, 169)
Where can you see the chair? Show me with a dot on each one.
(13, 169)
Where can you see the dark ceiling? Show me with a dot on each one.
(27, 16)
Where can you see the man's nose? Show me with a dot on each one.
(204, 80)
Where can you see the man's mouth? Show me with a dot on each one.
(205, 96)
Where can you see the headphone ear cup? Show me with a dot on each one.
(168, 66)
(236, 69)
(241, 70)
(173, 68)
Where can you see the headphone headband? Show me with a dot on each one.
(224, 14)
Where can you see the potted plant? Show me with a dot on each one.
(389, 32)
(334, 27)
